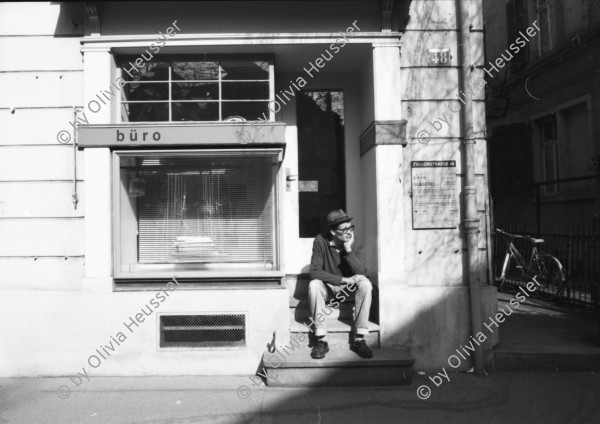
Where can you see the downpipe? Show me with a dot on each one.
(471, 219)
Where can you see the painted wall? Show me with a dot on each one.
(41, 233)
(44, 240)
(425, 299)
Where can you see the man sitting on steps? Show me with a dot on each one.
(337, 269)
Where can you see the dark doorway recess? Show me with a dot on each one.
(321, 170)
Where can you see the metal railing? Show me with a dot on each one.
(578, 250)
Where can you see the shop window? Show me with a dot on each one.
(195, 89)
(189, 213)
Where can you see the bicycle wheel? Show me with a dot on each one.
(550, 275)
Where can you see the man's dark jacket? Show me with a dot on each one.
(329, 264)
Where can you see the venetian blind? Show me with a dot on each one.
(206, 210)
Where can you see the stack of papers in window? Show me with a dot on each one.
(195, 249)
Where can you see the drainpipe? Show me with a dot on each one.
(471, 219)
(75, 134)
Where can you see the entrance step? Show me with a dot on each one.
(340, 367)
(339, 325)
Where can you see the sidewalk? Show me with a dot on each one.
(543, 336)
(502, 397)
(538, 337)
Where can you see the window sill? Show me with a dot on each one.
(231, 282)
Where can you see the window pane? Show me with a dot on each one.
(195, 111)
(544, 30)
(195, 70)
(195, 91)
(549, 129)
(141, 112)
(150, 71)
(244, 70)
(196, 212)
(147, 91)
(250, 111)
(550, 168)
(245, 90)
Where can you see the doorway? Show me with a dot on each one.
(321, 168)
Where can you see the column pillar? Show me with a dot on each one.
(386, 137)
(98, 229)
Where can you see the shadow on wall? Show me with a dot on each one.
(71, 19)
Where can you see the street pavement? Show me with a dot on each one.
(501, 397)
(549, 356)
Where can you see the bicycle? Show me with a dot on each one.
(545, 268)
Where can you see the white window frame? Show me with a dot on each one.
(277, 270)
(538, 145)
(265, 58)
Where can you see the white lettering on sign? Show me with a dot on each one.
(438, 57)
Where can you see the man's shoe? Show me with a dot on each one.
(319, 350)
(361, 348)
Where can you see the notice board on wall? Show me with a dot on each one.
(434, 204)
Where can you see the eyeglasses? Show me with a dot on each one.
(346, 230)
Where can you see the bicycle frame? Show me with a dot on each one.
(529, 270)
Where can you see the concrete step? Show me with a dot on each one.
(297, 286)
(339, 326)
(340, 367)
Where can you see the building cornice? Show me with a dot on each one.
(185, 40)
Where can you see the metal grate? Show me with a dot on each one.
(203, 331)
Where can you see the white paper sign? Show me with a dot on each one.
(434, 202)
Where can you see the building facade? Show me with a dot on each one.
(541, 109)
(166, 166)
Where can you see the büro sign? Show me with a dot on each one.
(198, 134)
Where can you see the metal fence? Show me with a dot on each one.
(578, 249)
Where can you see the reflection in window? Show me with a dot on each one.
(550, 156)
(165, 90)
(196, 212)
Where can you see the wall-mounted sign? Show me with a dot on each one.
(434, 202)
(438, 57)
(310, 186)
(169, 134)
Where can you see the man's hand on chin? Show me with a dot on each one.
(348, 244)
